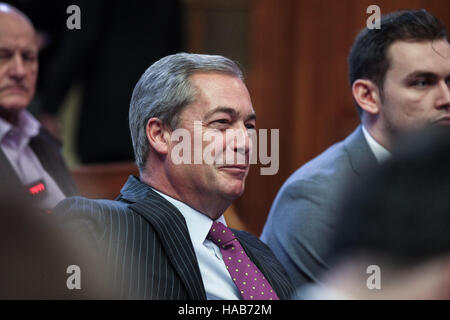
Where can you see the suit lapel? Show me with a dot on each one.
(8, 174)
(47, 151)
(360, 155)
(171, 228)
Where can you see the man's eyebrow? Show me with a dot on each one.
(252, 116)
(231, 111)
(228, 110)
(26, 49)
(420, 73)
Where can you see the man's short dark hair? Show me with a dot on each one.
(368, 55)
(402, 211)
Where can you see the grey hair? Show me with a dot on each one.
(165, 89)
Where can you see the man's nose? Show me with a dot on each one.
(17, 67)
(242, 141)
(444, 95)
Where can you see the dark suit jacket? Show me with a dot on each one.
(147, 247)
(48, 151)
(301, 222)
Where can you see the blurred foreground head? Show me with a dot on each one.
(399, 222)
(35, 255)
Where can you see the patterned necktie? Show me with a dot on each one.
(248, 278)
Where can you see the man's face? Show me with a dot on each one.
(18, 62)
(222, 106)
(417, 86)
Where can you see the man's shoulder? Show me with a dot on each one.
(333, 164)
(96, 218)
(86, 204)
(98, 209)
(44, 136)
(320, 182)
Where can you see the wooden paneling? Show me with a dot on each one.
(270, 81)
(103, 181)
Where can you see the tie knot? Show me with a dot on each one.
(220, 234)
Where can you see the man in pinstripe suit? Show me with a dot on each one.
(154, 235)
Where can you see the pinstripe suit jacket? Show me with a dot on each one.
(147, 247)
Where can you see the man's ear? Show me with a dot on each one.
(367, 95)
(158, 136)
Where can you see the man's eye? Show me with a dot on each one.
(250, 126)
(30, 57)
(5, 55)
(220, 122)
(422, 83)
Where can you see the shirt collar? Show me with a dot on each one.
(197, 223)
(380, 152)
(5, 127)
(27, 126)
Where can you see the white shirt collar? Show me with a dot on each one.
(197, 223)
(380, 152)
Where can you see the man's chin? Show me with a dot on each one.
(234, 191)
(14, 104)
(10, 112)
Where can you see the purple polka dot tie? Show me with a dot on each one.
(248, 278)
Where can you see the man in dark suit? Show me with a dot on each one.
(400, 82)
(165, 237)
(29, 155)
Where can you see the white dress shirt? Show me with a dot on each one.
(14, 141)
(216, 278)
(380, 152)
